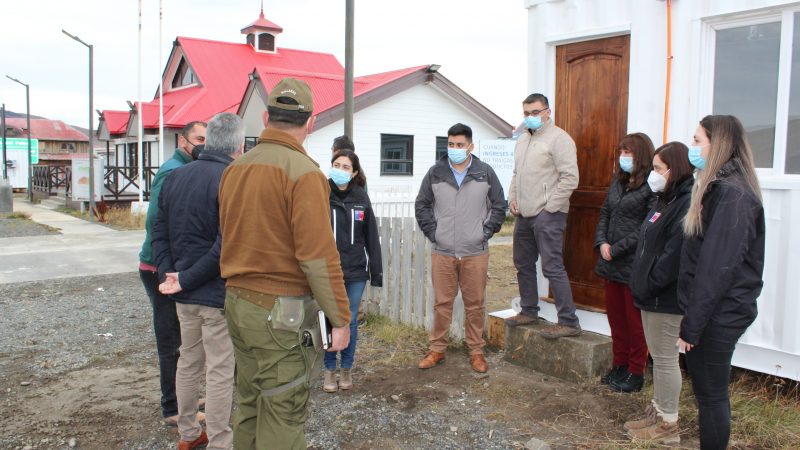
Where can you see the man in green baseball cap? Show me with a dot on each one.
(277, 189)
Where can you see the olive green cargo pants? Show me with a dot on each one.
(276, 421)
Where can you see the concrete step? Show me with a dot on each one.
(54, 202)
(573, 358)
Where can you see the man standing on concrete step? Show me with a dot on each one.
(186, 247)
(278, 257)
(165, 320)
(460, 206)
(545, 174)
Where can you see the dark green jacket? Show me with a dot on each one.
(178, 159)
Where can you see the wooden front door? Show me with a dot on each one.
(592, 106)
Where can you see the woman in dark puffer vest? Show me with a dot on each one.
(654, 283)
(627, 203)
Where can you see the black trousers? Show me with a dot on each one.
(709, 365)
(167, 329)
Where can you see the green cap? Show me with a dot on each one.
(297, 90)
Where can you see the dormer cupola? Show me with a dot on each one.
(261, 34)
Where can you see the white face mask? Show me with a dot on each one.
(657, 181)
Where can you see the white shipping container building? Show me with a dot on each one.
(739, 57)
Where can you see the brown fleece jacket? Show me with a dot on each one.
(276, 227)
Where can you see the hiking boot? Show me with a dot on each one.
(650, 418)
(190, 445)
(614, 374)
(329, 384)
(172, 421)
(431, 359)
(661, 432)
(478, 363)
(521, 319)
(345, 379)
(559, 331)
(628, 383)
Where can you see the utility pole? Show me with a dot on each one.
(348, 68)
(91, 125)
(28, 116)
(5, 157)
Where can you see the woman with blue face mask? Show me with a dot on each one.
(628, 201)
(722, 267)
(356, 232)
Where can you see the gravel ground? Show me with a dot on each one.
(23, 227)
(78, 362)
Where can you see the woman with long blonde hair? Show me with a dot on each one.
(722, 264)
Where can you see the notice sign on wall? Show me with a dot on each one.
(80, 179)
(500, 155)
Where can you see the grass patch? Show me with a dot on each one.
(117, 217)
(17, 215)
(766, 411)
(386, 343)
(508, 226)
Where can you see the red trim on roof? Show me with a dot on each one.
(48, 130)
(263, 24)
(116, 121)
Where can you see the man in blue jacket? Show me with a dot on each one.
(187, 255)
(165, 319)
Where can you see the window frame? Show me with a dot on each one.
(436, 150)
(785, 16)
(409, 160)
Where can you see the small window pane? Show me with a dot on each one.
(746, 82)
(397, 154)
(441, 147)
(793, 141)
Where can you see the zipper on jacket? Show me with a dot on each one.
(333, 210)
(352, 226)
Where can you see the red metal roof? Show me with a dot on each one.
(222, 69)
(47, 130)
(116, 121)
(328, 90)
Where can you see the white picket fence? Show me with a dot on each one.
(407, 293)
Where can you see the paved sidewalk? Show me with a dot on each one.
(81, 249)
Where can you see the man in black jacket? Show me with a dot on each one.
(460, 206)
(186, 247)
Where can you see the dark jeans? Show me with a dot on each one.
(709, 366)
(543, 235)
(355, 289)
(168, 340)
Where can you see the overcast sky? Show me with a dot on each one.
(480, 45)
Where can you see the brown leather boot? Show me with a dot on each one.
(478, 362)
(190, 445)
(431, 359)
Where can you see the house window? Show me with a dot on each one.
(397, 154)
(748, 84)
(184, 75)
(441, 147)
(266, 42)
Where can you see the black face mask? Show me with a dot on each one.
(196, 150)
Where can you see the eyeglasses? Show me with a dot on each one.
(534, 113)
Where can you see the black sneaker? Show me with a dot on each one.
(614, 374)
(628, 382)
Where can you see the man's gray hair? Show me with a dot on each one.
(225, 133)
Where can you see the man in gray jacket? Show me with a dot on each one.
(545, 174)
(460, 206)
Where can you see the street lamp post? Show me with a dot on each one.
(28, 116)
(5, 157)
(91, 124)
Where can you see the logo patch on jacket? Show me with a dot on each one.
(655, 217)
(358, 216)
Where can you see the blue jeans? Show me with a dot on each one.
(709, 364)
(167, 329)
(354, 291)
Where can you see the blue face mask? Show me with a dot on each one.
(626, 163)
(339, 176)
(457, 155)
(533, 122)
(696, 157)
